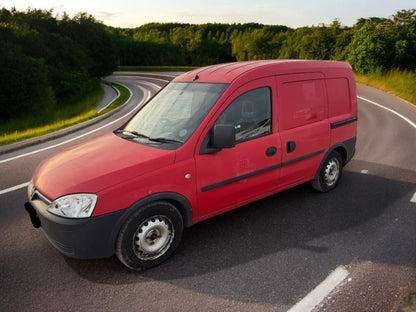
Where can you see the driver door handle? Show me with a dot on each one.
(271, 151)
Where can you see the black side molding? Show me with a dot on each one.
(343, 122)
(257, 172)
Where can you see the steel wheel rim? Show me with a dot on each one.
(332, 170)
(153, 237)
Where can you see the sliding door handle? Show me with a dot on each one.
(290, 146)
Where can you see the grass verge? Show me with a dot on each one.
(408, 303)
(399, 83)
(64, 118)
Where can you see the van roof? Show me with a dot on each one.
(228, 72)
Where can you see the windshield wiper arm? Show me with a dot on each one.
(140, 135)
(132, 133)
(165, 140)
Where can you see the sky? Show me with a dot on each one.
(292, 13)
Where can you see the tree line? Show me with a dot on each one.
(371, 44)
(46, 60)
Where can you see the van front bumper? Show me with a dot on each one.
(85, 238)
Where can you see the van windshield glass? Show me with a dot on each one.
(174, 113)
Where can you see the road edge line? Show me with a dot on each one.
(390, 110)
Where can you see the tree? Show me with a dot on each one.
(372, 47)
(92, 35)
(24, 85)
(405, 45)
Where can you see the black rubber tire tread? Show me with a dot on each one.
(319, 183)
(124, 246)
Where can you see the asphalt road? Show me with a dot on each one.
(265, 256)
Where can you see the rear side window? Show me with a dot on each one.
(250, 114)
(339, 101)
(302, 103)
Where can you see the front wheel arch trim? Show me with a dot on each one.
(179, 201)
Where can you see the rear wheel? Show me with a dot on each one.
(149, 236)
(329, 173)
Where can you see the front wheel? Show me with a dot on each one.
(329, 173)
(149, 236)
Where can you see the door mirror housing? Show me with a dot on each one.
(223, 136)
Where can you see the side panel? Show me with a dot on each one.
(342, 105)
(303, 125)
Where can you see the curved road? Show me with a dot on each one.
(277, 254)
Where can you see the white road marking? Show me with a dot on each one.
(413, 199)
(14, 188)
(364, 171)
(113, 100)
(316, 296)
(390, 110)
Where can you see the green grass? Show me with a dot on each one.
(399, 83)
(33, 132)
(407, 304)
(37, 125)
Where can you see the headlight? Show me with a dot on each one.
(74, 206)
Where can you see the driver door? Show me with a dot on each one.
(233, 176)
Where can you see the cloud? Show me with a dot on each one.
(107, 16)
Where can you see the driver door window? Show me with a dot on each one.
(250, 114)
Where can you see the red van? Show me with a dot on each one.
(212, 140)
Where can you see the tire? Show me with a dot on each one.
(149, 236)
(329, 173)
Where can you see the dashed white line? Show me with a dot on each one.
(316, 296)
(413, 199)
(14, 188)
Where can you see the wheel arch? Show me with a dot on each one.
(345, 149)
(179, 201)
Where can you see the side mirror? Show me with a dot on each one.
(223, 136)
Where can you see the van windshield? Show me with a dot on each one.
(172, 116)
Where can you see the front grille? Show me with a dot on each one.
(36, 195)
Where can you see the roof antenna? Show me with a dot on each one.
(196, 77)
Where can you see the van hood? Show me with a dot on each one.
(97, 164)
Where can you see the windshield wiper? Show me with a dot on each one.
(131, 133)
(165, 140)
(136, 134)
